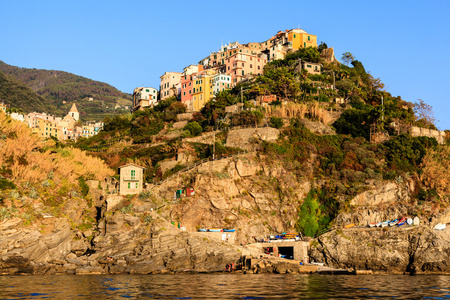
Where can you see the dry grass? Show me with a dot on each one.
(312, 111)
(23, 153)
(436, 170)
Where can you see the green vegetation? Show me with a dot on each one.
(308, 221)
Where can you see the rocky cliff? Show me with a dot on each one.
(128, 245)
(415, 250)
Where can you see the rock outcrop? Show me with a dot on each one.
(415, 250)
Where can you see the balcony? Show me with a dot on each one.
(132, 178)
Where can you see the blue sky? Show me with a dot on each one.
(131, 43)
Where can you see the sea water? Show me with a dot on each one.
(225, 286)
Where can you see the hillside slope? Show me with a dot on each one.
(18, 95)
(62, 88)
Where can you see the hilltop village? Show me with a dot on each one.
(224, 69)
(263, 156)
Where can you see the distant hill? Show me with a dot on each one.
(61, 88)
(18, 95)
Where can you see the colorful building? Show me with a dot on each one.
(144, 97)
(202, 91)
(220, 82)
(169, 82)
(244, 66)
(277, 46)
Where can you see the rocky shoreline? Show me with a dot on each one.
(161, 248)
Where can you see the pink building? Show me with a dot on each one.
(244, 65)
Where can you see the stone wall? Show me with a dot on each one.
(437, 134)
(248, 138)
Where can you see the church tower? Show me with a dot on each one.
(73, 112)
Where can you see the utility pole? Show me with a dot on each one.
(242, 101)
(334, 82)
(382, 108)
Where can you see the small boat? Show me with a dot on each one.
(416, 221)
(385, 223)
(439, 226)
(215, 230)
(349, 226)
(229, 230)
(372, 224)
(393, 223)
(402, 221)
(409, 221)
(379, 224)
(203, 230)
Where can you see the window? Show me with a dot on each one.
(184, 93)
(294, 36)
(242, 72)
(137, 184)
(147, 90)
(304, 44)
(129, 185)
(251, 66)
(308, 38)
(259, 67)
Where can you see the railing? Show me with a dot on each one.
(323, 231)
(132, 178)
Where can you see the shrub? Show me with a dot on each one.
(276, 122)
(83, 186)
(194, 128)
(5, 184)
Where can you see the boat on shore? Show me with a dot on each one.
(385, 223)
(229, 230)
(402, 221)
(393, 223)
(439, 226)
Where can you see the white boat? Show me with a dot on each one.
(379, 224)
(416, 221)
(409, 221)
(372, 224)
(385, 223)
(439, 226)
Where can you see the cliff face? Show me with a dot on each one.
(135, 235)
(413, 250)
(127, 246)
(249, 193)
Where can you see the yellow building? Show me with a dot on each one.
(301, 39)
(202, 90)
(45, 129)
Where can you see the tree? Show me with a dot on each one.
(309, 215)
(322, 46)
(424, 114)
(347, 57)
